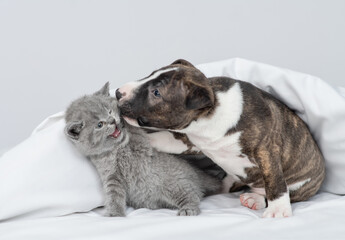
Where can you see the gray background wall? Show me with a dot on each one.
(54, 51)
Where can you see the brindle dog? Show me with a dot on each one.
(255, 138)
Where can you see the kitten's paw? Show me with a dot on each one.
(279, 208)
(253, 201)
(188, 211)
(114, 214)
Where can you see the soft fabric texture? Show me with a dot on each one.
(46, 176)
(222, 217)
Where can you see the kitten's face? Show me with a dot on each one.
(94, 125)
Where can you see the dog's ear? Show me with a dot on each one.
(183, 62)
(199, 97)
(73, 130)
(104, 91)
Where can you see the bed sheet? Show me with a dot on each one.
(222, 217)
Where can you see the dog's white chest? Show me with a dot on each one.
(226, 152)
(209, 134)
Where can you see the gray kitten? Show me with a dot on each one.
(132, 172)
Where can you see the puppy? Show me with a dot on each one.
(255, 138)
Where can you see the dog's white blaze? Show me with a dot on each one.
(157, 74)
(279, 208)
(165, 142)
(298, 185)
(127, 89)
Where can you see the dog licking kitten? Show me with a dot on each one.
(132, 172)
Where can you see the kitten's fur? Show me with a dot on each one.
(131, 171)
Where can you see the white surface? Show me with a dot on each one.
(52, 51)
(44, 177)
(222, 217)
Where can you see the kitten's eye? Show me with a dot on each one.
(156, 93)
(100, 124)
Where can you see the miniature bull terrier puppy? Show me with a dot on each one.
(254, 137)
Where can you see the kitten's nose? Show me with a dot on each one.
(112, 121)
(118, 94)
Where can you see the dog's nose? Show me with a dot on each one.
(118, 94)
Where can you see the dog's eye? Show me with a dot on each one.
(156, 93)
(100, 124)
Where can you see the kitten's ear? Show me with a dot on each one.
(73, 129)
(104, 91)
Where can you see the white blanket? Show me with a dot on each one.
(222, 217)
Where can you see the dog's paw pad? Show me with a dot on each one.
(253, 201)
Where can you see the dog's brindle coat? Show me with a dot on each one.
(254, 137)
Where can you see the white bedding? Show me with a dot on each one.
(45, 182)
(222, 217)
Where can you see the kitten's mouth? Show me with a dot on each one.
(116, 133)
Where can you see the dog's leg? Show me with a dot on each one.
(173, 143)
(228, 182)
(165, 141)
(232, 184)
(277, 192)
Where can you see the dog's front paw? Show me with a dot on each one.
(278, 212)
(188, 211)
(279, 208)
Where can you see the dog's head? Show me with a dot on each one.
(170, 98)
